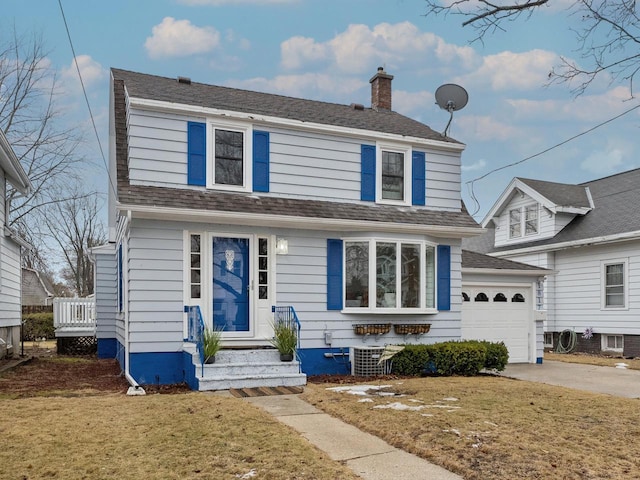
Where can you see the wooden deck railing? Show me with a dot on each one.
(74, 315)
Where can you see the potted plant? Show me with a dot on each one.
(211, 344)
(285, 339)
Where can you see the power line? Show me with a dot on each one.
(86, 99)
(471, 183)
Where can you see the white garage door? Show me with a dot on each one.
(499, 314)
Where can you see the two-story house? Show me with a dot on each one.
(589, 236)
(236, 201)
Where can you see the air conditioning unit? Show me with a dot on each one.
(364, 361)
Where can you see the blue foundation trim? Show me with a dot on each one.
(107, 348)
(539, 360)
(315, 363)
(157, 368)
(190, 371)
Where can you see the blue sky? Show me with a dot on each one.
(329, 49)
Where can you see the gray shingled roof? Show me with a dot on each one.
(164, 89)
(616, 200)
(562, 194)
(211, 200)
(478, 260)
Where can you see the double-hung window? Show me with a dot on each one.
(614, 276)
(228, 159)
(385, 274)
(394, 182)
(523, 220)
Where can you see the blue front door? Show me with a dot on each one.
(231, 284)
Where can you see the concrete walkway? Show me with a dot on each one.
(609, 380)
(367, 455)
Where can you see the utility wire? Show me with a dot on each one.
(470, 183)
(86, 99)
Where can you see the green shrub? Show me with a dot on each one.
(450, 358)
(497, 356)
(38, 325)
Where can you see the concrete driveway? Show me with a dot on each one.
(609, 380)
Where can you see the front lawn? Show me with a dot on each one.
(600, 360)
(60, 425)
(487, 427)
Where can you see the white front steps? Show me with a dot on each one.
(247, 369)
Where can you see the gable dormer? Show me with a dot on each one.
(533, 210)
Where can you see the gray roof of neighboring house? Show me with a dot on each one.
(616, 201)
(478, 260)
(164, 89)
(562, 194)
(149, 86)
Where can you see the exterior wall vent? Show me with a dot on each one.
(364, 361)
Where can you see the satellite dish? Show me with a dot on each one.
(451, 97)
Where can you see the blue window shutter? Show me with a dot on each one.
(444, 277)
(368, 173)
(334, 274)
(196, 153)
(120, 283)
(418, 181)
(260, 161)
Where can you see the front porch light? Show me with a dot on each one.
(282, 246)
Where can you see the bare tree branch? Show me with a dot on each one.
(607, 35)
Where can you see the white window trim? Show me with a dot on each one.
(247, 170)
(372, 308)
(523, 221)
(604, 347)
(394, 148)
(603, 283)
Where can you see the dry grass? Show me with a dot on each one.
(84, 429)
(188, 436)
(500, 428)
(633, 363)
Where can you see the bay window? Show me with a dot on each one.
(388, 274)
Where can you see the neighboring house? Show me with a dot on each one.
(11, 173)
(236, 201)
(36, 289)
(589, 236)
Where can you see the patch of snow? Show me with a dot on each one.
(491, 423)
(426, 414)
(415, 400)
(250, 474)
(400, 406)
(389, 394)
(622, 365)
(357, 389)
(450, 399)
(363, 400)
(452, 430)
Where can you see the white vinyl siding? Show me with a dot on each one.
(302, 164)
(10, 281)
(155, 286)
(106, 293)
(577, 293)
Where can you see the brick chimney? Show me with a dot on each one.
(381, 90)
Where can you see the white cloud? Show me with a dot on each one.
(604, 162)
(514, 71)
(179, 38)
(412, 104)
(478, 165)
(360, 49)
(485, 128)
(90, 70)
(308, 85)
(217, 3)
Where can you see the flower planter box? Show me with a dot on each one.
(412, 328)
(372, 329)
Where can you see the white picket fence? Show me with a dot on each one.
(74, 316)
